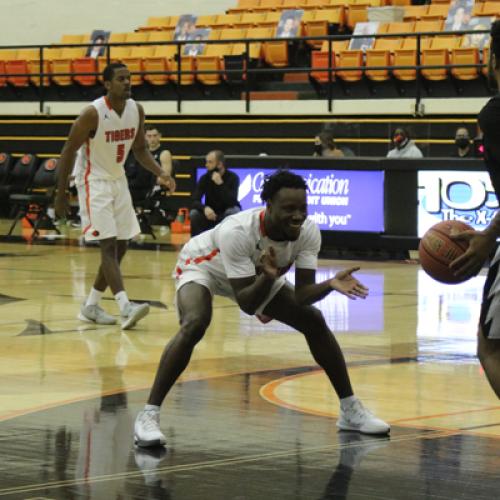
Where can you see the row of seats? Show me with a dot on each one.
(436, 51)
(65, 66)
(153, 60)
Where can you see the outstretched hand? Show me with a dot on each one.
(268, 263)
(470, 262)
(346, 284)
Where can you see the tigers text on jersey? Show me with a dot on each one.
(234, 247)
(103, 156)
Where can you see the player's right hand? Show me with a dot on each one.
(61, 206)
(268, 263)
(209, 213)
(470, 262)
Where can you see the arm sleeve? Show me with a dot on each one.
(235, 252)
(229, 191)
(307, 258)
(198, 193)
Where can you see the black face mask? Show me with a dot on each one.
(318, 149)
(462, 142)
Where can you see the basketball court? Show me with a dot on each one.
(253, 417)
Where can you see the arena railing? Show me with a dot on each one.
(247, 71)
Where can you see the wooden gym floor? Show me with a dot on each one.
(253, 417)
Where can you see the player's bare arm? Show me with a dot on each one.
(307, 291)
(83, 128)
(145, 158)
(251, 291)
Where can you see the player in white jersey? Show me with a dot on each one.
(245, 258)
(99, 141)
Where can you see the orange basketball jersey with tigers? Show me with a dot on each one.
(103, 156)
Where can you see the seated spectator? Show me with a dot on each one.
(219, 188)
(463, 144)
(324, 145)
(141, 181)
(404, 147)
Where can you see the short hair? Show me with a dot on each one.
(327, 140)
(281, 179)
(149, 128)
(219, 156)
(109, 70)
(495, 40)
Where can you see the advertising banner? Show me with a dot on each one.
(338, 200)
(455, 195)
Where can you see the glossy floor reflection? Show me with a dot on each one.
(253, 417)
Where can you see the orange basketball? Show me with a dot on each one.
(437, 250)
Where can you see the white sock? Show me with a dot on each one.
(152, 408)
(345, 402)
(122, 300)
(94, 297)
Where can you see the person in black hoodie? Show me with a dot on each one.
(215, 196)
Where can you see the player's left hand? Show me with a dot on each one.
(168, 181)
(470, 262)
(346, 284)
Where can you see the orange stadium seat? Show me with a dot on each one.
(357, 14)
(438, 54)
(465, 55)
(407, 56)
(271, 19)
(5, 55)
(34, 67)
(268, 5)
(436, 11)
(397, 28)
(348, 59)
(320, 60)
(74, 39)
(159, 61)
(84, 65)
(428, 26)
(276, 53)
(19, 65)
(63, 64)
(187, 65)
(161, 36)
(320, 24)
(382, 54)
(250, 19)
(156, 23)
(225, 20)
(205, 21)
(401, 3)
(316, 4)
(491, 9)
(294, 4)
(414, 12)
(256, 48)
(135, 62)
(212, 60)
(136, 36)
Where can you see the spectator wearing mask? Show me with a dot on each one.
(219, 188)
(404, 147)
(324, 145)
(463, 144)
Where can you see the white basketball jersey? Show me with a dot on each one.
(103, 156)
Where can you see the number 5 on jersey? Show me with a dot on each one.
(120, 152)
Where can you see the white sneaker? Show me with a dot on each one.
(147, 429)
(95, 314)
(355, 417)
(133, 313)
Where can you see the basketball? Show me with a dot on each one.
(437, 250)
